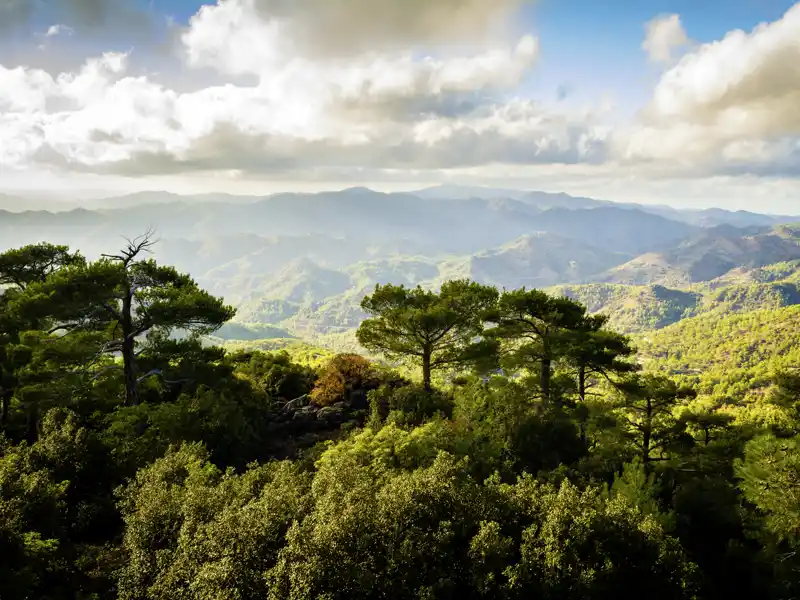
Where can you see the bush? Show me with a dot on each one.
(410, 404)
(344, 374)
(277, 376)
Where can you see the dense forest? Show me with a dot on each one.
(508, 444)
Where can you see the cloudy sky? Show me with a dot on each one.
(685, 102)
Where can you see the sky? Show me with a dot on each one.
(681, 102)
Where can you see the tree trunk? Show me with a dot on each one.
(129, 367)
(129, 352)
(545, 377)
(426, 368)
(5, 397)
(582, 383)
(647, 434)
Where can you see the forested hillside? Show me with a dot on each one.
(503, 443)
(727, 356)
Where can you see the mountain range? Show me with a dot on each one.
(299, 264)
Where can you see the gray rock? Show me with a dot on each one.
(296, 404)
(305, 412)
(329, 412)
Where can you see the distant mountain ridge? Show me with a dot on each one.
(300, 264)
(707, 217)
(444, 226)
(541, 260)
(708, 255)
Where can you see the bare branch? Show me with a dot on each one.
(134, 247)
(148, 375)
(68, 327)
(105, 370)
(160, 373)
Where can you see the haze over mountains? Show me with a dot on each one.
(302, 262)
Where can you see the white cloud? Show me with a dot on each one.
(123, 124)
(275, 30)
(58, 29)
(373, 110)
(414, 106)
(747, 83)
(663, 35)
(728, 106)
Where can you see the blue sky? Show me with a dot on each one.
(588, 47)
(563, 98)
(595, 46)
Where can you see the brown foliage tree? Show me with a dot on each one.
(343, 374)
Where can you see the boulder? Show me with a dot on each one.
(329, 413)
(297, 403)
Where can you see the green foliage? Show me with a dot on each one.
(648, 410)
(639, 488)
(299, 352)
(536, 328)
(276, 374)
(20, 269)
(770, 474)
(726, 357)
(502, 421)
(231, 424)
(434, 330)
(239, 473)
(32, 264)
(127, 299)
(54, 500)
(194, 531)
(408, 404)
(396, 518)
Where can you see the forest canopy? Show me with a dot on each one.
(509, 445)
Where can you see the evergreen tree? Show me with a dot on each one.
(19, 269)
(127, 298)
(535, 328)
(433, 330)
(595, 352)
(647, 411)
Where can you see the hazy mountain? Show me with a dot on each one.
(304, 298)
(634, 308)
(709, 217)
(538, 260)
(301, 263)
(713, 217)
(454, 226)
(451, 191)
(543, 200)
(707, 256)
(638, 308)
